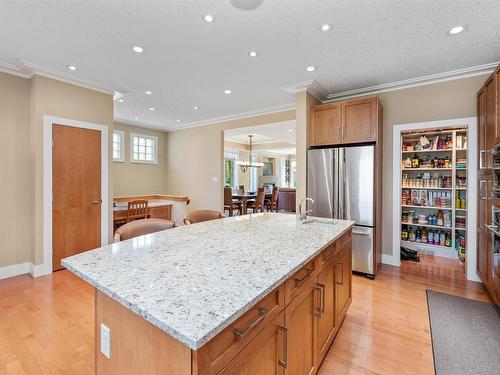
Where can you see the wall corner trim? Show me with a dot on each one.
(389, 259)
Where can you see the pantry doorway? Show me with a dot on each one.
(434, 179)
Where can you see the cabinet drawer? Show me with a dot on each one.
(217, 353)
(344, 240)
(300, 279)
(327, 255)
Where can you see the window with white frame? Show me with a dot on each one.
(230, 168)
(118, 145)
(143, 148)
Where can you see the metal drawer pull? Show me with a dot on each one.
(284, 363)
(494, 229)
(321, 289)
(299, 282)
(98, 201)
(341, 273)
(262, 314)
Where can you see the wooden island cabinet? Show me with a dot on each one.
(287, 332)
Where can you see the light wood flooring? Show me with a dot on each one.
(47, 324)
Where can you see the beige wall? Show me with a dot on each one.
(60, 99)
(440, 101)
(194, 157)
(137, 178)
(15, 188)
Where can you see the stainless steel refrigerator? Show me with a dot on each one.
(341, 182)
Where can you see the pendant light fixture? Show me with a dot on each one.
(245, 165)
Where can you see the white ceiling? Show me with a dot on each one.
(187, 62)
(269, 133)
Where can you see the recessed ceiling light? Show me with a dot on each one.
(151, 108)
(196, 107)
(136, 118)
(252, 54)
(138, 49)
(311, 68)
(121, 100)
(148, 92)
(290, 130)
(324, 28)
(71, 67)
(456, 30)
(208, 18)
(178, 120)
(227, 92)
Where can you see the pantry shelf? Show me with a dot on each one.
(427, 226)
(444, 164)
(425, 207)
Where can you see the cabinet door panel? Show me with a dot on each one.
(326, 318)
(301, 322)
(326, 126)
(490, 118)
(497, 85)
(264, 354)
(343, 271)
(359, 121)
(482, 217)
(481, 136)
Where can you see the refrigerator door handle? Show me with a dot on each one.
(341, 184)
(336, 184)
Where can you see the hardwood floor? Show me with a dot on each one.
(47, 324)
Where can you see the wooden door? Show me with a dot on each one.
(482, 231)
(490, 116)
(481, 133)
(265, 354)
(343, 283)
(359, 120)
(76, 188)
(326, 319)
(302, 325)
(326, 125)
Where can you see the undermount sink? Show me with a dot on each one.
(318, 221)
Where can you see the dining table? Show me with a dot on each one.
(243, 198)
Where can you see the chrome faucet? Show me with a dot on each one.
(303, 216)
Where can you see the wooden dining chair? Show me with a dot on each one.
(258, 204)
(241, 188)
(202, 215)
(229, 204)
(273, 202)
(137, 209)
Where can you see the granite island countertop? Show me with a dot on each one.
(193, 281)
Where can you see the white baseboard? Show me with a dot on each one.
(15, 270)
(391, 260)
(24, 268)
(40, 270)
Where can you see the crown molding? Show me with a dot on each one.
(27, 69)
(311, 86)
(138, 124)
(236, 116)
(413, 82)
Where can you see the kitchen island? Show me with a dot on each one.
(260, 294)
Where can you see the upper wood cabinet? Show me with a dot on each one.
(326, 125)
(350, 121)
(481, 134)
(490, 112)
(497, 86)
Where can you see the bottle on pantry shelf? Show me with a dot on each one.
(442, 238)
(447, 162)
(440, 218)
(411, 234)
(404, 234)
(448, 239)
(424, 235)
(418, 237)
(415, 162)
(430, 238)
